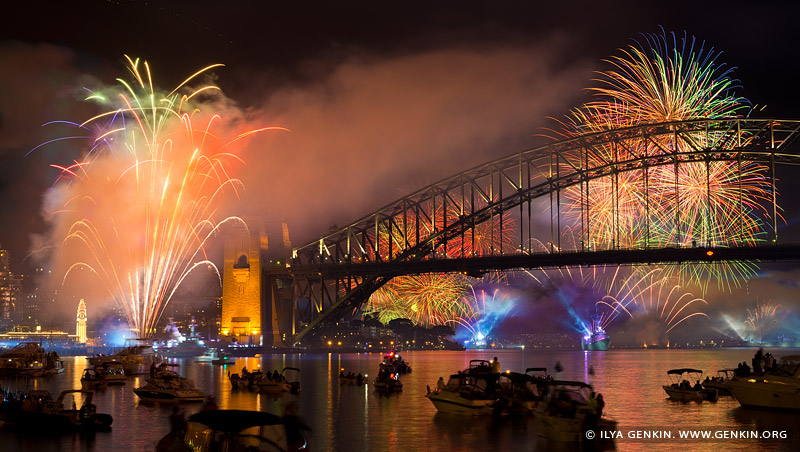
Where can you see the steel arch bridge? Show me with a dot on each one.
(646, 194)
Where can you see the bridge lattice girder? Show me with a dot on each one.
(442, 221)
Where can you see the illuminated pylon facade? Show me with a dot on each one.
(241, 282)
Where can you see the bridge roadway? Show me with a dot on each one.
(477, 265)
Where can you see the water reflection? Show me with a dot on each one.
(346, 418)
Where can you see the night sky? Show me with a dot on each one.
(381, 98)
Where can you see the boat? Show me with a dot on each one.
(136, 358)
(29, 358)
(169, 386)
(38, 410)
(597, 339)
(246, 379)
(564, 415)
(351, 379)
(720, 382)
(180, 346)
(681, 389)
(287, 381)
(114, 373)
(397, 361)
(224, 359)
(472, 391)
(208, 356)
(93, 379)
(388, 378)
(779, 389)
(234, 430)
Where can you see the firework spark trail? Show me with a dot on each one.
(141, 204)
(663, 79)
(651, 294)
(761, 320)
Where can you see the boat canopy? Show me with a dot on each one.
(234, 421)
(683, 371)
(536, 369)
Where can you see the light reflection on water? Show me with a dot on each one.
(355, 418)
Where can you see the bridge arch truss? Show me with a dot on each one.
(548, 200)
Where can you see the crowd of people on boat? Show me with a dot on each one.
(761, 363)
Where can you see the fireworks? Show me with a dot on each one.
(707, 203)
(650, 297)
(761, 320)
(426, 299)
(141, 204)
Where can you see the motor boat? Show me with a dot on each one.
(38, 410)
(720, 382)
(224, 359)
(114, 373)
(169, 386)
(93, 378)
(136, 358)
(396, 361)
(208, 356)
(388, 378)
(287, 381)
(779, 389)
(564, 413)
(351, 379)
(681, 387)
(472, 391)
(29, 358)
(246, 380)
(236, 430)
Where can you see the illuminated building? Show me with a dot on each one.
(80, 328)
(255, 310)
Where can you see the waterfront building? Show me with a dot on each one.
(80, 328)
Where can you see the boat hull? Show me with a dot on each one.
(158, 396)
(762, 394)
(453, 403)
(600, 345)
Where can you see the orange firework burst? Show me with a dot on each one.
(141, 204)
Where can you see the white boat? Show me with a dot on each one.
(682, 389)
(777, 390)
(564, 415)
(114, 373)
(169, 386)
(287, 381)
(208, 356)
(136, 359)
(470, 392)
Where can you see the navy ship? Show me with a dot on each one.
(598, 340)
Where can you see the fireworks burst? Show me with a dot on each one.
(651, 297)
(665, 79)
(761, 320)
(427, 299)
(140, 205)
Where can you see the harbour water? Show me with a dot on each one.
(357, 418)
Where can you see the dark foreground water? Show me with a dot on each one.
(353, 418)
